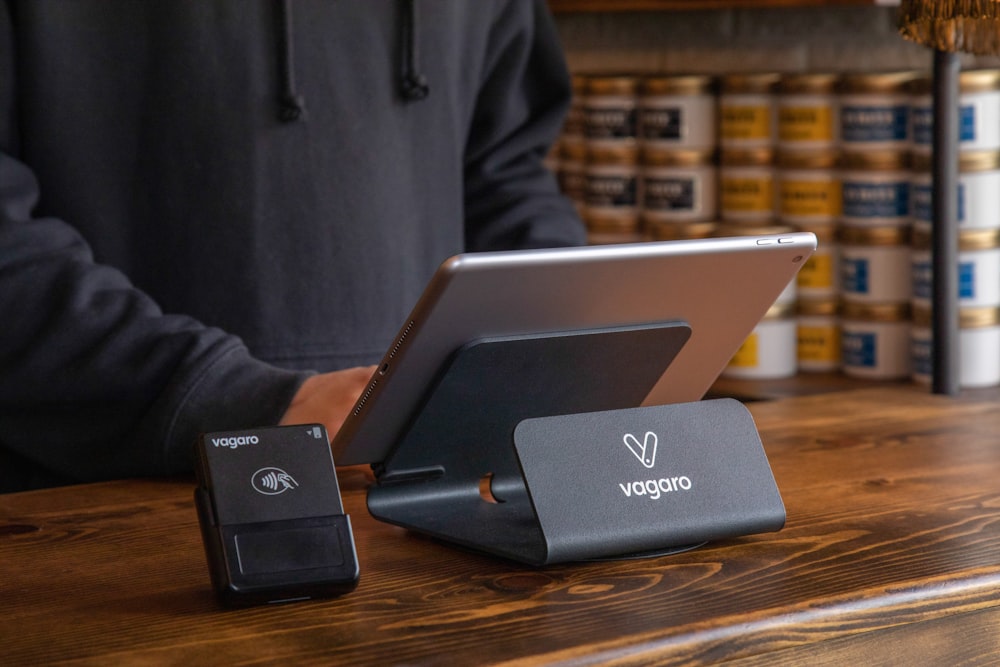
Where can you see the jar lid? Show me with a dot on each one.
(969, 240)
(979, 80)
(807, 159)
(875, 82)
(609, 84)
(873, 160)
(780, 311)
(689, 84)
(875, 312)
(825, 233)
(621, 151)
(817, 307)
(860, 235)
(807, 83)
(969, 161)
(657, 156)
(660, 230)
(747, 157)
(761, 83)
(752, 229)
(611, 222)
(968, 318)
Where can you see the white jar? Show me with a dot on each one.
(807, 111)
(770, 351)
(978, 112)
(748, 111)
(817, 335)
(978, 345)
(978, 195)
(875, 110)
(874, 341)
(677, 112)
(978, 267)
(609, 110)
(875, 264)
(875, 188)
(611, 195)
(678, 185)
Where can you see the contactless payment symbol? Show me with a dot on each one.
(645, 451)
(272, 481)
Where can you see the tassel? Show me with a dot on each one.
(971, 26)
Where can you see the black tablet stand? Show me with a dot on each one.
(529, 447)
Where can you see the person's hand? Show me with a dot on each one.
(328, 398)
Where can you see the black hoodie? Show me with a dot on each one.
(203, 201)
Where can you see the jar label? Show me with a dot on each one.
(612, 191)
(920, 202)
(747, 194)
(748, 356)
(921, 275)
(921, 355)
(805, 123)
(874, 123)
(876, 200)
(609, 122)
(810, 198)
(745, 122)
(669, 194)
(967, 123)
(816, 272)
(855, 275)
(923, 125)
(859, 349)
(818, 343)
(661, 123)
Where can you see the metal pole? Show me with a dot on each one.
(944, 232)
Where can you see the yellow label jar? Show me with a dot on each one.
(817, 335)
(748, 111)
(808, 187)
(807, 111)
(769, 352)
(819, 277)
(746, 185)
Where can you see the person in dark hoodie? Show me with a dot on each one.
(217, 214)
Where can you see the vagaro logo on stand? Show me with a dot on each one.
(653, 489)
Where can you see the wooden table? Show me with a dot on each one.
(891, 555)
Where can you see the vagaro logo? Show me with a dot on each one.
(645, 452)
(272, 481)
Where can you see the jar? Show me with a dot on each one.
(817, 335)
(875, 110)
(875, 188)
(874, 340)
(612, 187)
(572, 172)
(808, 187)
(875, 264)
(978, 196)
(978, 267)
(575, 123)
(678, 185)
(747, 111)
(609, 110)
(807, 111)
(678, 231)
(819, 277)
(978, 347)
(746, 185)
(978, 112)
(769, 352)
(677, 112)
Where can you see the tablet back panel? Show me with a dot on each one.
(720, 287)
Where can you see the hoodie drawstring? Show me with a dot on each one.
(291, 105)
(413, 86)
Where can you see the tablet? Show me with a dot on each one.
(720, 287)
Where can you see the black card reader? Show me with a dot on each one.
(271, 516)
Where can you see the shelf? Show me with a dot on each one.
(569, 6)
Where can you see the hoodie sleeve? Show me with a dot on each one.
(512, 198)
(95, 381)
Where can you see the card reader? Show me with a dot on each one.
(271, 516)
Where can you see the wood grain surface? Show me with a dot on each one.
(891, 555)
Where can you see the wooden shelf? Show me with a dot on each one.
(569, 6)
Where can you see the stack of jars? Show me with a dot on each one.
(979, 229)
